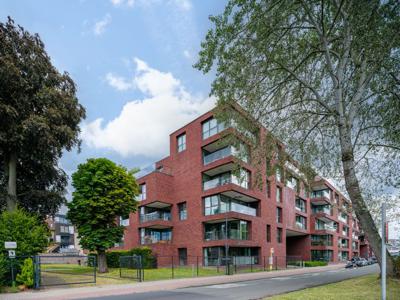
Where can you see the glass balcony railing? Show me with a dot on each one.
(239, 208)
(322, 243)
(224, 180)
(325, 227)
(321, 194)
(157, 215)
(219, 154)
(342, 219)
(300, 225)
(156, 237)
(222, 153)
(233, 234)
(322, 209)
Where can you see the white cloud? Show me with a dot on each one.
(129, 3)
(100, 26)
(118, 82)
(187, 54)
(144, 125)
(183, 4)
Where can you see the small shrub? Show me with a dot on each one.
(397, 265)
(315, 263)
(3, 270)
(26, 275)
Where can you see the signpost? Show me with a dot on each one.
(271, 259)
(11, 254)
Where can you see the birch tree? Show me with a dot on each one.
(323, 77)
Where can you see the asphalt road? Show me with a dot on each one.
(253, 289)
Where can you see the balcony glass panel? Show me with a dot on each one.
(225, 152)
(156, 215)
(321, 240)
(320, 225)
(152, 236)
(227, 178)
(321, 193)
(326, 209)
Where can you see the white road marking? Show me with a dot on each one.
(226, 285)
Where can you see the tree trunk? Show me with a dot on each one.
(11, 172)
(102, 262)
(359, 206)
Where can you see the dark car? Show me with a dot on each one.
(350, 264)
(362, 262)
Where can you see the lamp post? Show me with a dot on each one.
(383, 265)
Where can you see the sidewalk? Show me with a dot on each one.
(152, 286)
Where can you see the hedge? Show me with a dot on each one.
(315, 263)
(113, 257)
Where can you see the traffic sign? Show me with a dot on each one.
(10, 245)
(11, 253)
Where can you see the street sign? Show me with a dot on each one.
(10, 245)
(11, 253)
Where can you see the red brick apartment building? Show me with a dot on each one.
(193, 204)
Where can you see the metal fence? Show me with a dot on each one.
(50, 270)
(168, 267)
(64, 270)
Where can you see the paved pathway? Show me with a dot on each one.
(157, 289)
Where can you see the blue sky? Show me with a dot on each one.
(132, 63)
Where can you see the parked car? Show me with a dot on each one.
(350, 264)
(362, 262)
(373, 260)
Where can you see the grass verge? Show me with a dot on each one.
(360, 288)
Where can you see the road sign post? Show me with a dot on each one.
(11, 255)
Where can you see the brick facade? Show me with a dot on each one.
(198, 167)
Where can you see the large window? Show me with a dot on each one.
(182, 211)
(326, 255)
(211, 127)
(181, 142)
(301, 205)
(301, 222)
(321, 240)
(268, 233)
(279, 235)
(278, 194)
(237, 230)
(220, 204)
(142, 192)
(279, 215)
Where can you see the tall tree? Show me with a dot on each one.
(39, 119)
(322, 76)
(103, 192)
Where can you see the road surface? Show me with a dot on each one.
(253, 289)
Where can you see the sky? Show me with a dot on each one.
(132, 61)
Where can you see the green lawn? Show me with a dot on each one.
(69, 273)
(360, 288)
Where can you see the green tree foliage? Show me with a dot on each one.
(26, 276)
(321, 76)
(103, 192)
(30, 233)
(39, 119)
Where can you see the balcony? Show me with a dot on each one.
(157, 215)
(301, 225)
(322, 243)
(235, 229)
(209, 158)
(226, 178)
(233, 234)
(153, 236)
(321, 197)
(239, 208)
(325, 226)
(342, 219)
(322, 209)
